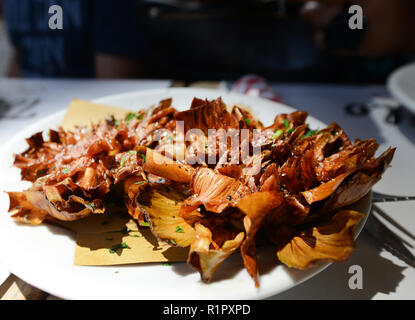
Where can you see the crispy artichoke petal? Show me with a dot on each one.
(326, 189)
(255, 206)
(22, 208)
(205, 259)
(331, 241)
(132, 187)
(360, 183)
(161, 206)
(33, 207)
(162, 166)
(42, 201)
(213, 190)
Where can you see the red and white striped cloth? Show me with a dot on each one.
(257, 86)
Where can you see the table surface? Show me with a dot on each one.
(384, 275)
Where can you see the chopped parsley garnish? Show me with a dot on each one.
(286, 123)
(277, 134)
(122, 163)
(121, 245)
(92, 205)
(132, 152)
(289, 131)
(117, 123)
(310, 133)
(65, 170)
(145, 224)
(172, 241)
(135, 235)
(42, 171)
(140, 117)
(179, 229)
(140, 182)
(130, 116)
(166, 264)
(169, 138)
(116, 272)
(247, 121)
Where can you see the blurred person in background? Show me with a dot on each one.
(100, 38)
(292, 40)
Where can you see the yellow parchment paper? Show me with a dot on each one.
(100, 238)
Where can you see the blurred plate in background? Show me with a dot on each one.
(401, 85)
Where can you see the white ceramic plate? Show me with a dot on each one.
(43, 255)
(401, 85)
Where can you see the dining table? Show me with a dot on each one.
(364, 111)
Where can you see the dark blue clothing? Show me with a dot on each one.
(89, 26)
(176, 46)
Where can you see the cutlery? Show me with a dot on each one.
(388, 239)
(380, 197)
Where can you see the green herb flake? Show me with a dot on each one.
(121, 245)
(140, 117)
(122, 163)
(135, 236)
(116, 272)
(310, 133)
(41, 172)
(172, 241)
(166, 264)
(117, 123)
(289, 131)
(277, 134)
(130, 116)
(65, 170)
(140, 182)
(92, 205)
(286, 123)
(179, 229)
(247, 121)
(132, 152)
(125, 246)
(145, 224)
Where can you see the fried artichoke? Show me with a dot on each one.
(194, 188)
